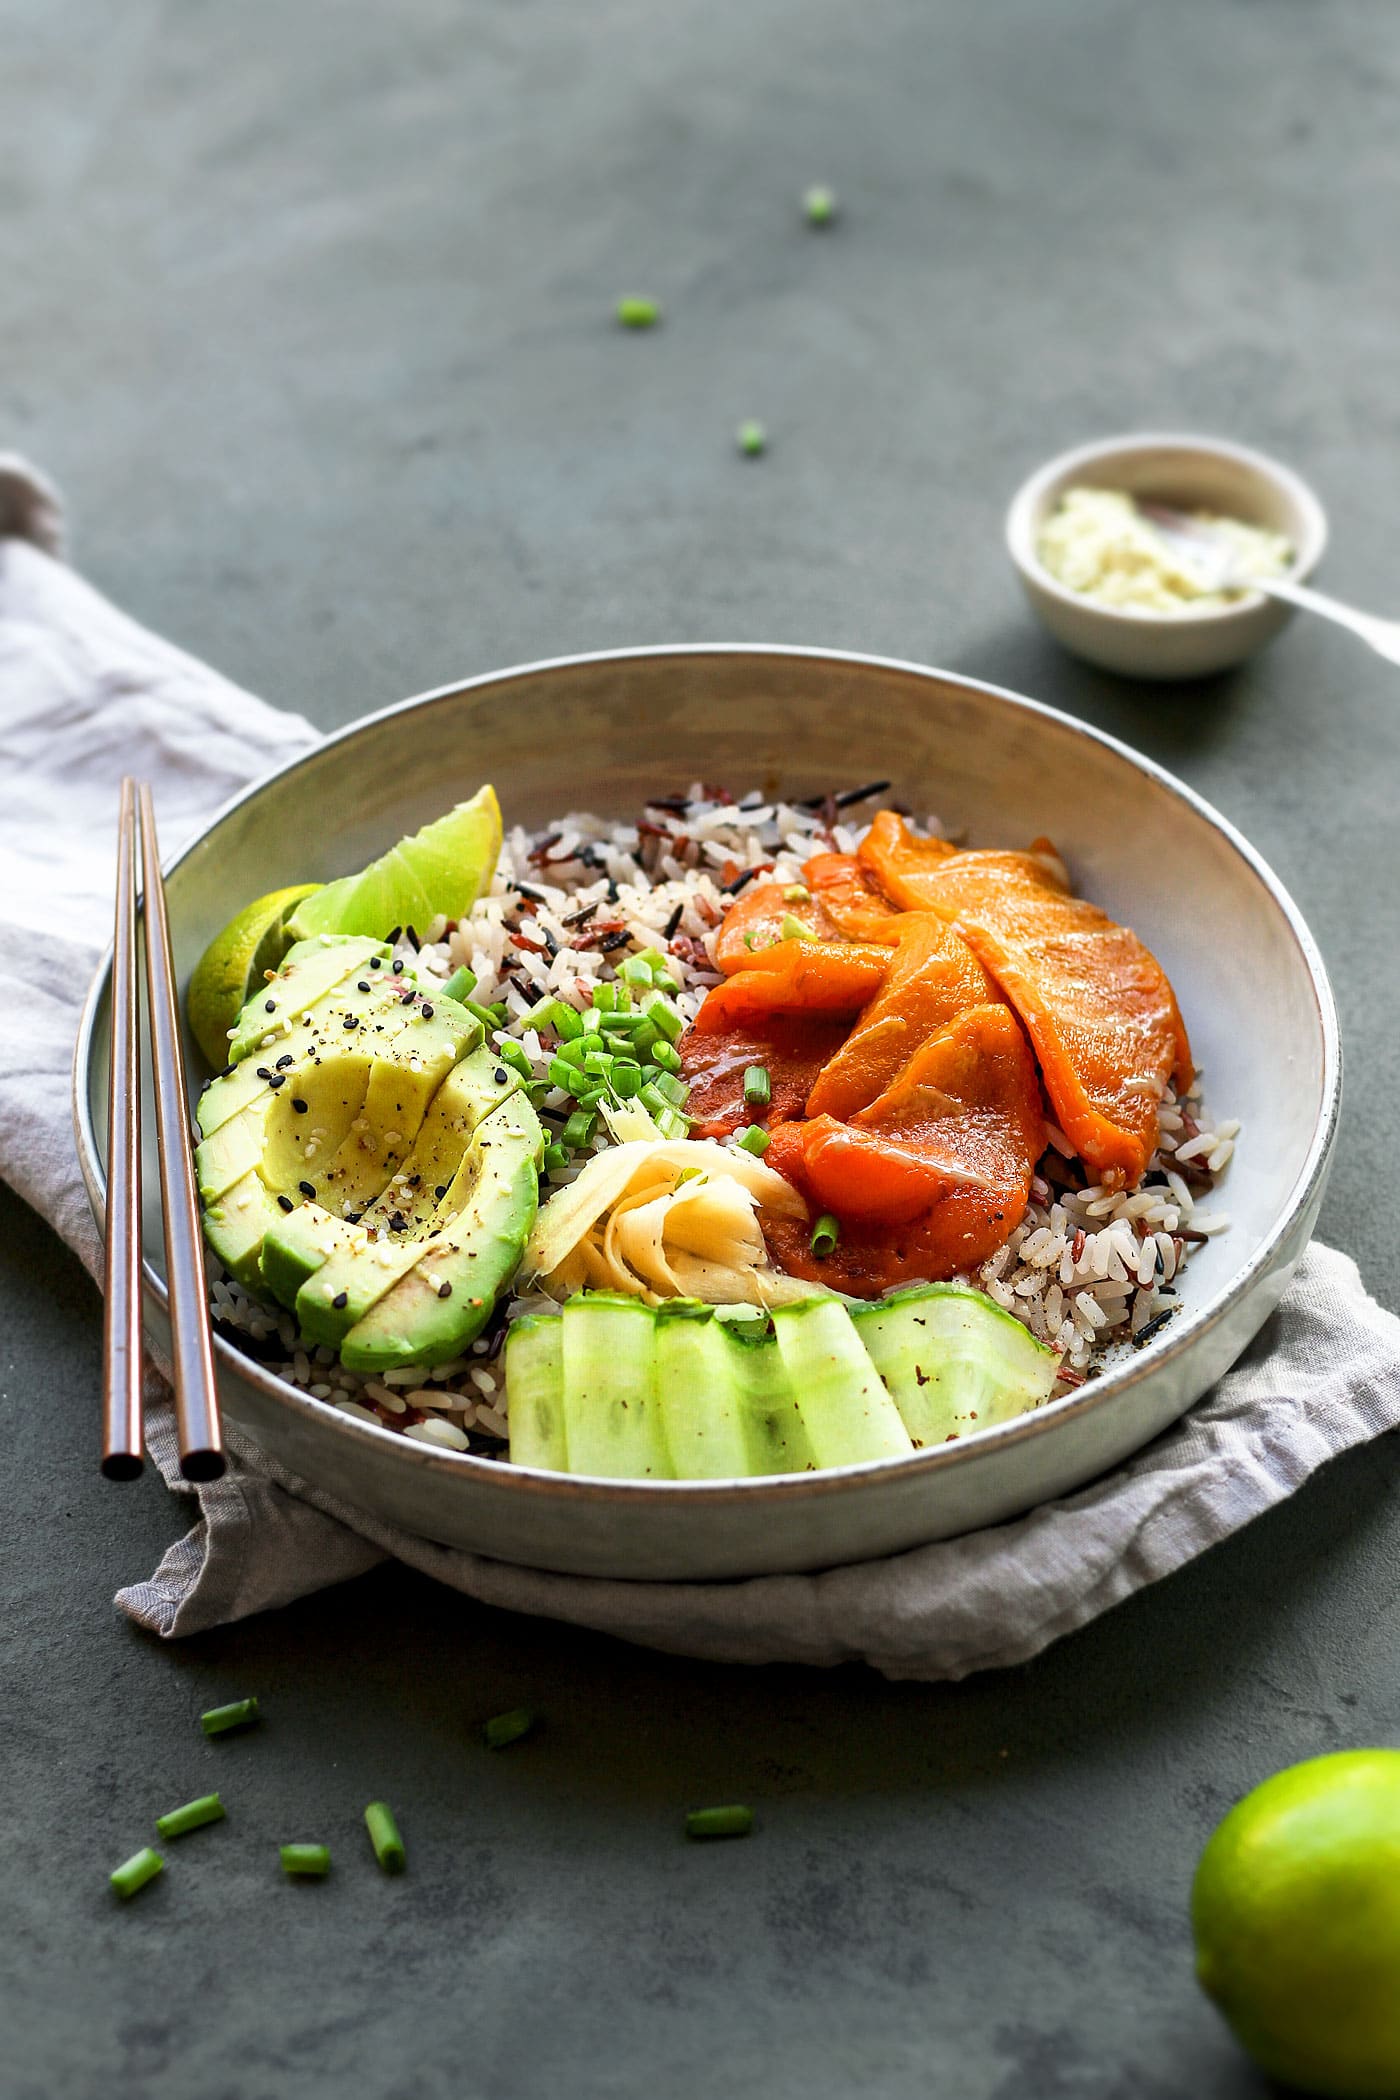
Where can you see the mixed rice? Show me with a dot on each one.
(1089, 1271)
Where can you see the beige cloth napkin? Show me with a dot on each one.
(85, 695)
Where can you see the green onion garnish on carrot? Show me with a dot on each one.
(825, 1233)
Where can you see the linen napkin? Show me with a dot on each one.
(86, 694)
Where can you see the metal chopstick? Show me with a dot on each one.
(121, 1326)
(191, 1346)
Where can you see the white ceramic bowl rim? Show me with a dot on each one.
(1022, 520)
(1098, 1392)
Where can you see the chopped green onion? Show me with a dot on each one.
(514, 1054)
(568, 1022)
(751, 941)
(460, 985)
(627, 1078)
(563, 1074)
(572, 1053)
(825, 1233)
(751, 439)
(819, 205)
(797, 893)
(666, 1056)
(794, 930)
(240, 1714)
(555, 1159)
(540, 1015)
(635, 969)
(591, 1040)
(208, 1809)
(579, 1129)
(595, 1091)
(485, 1014)
(652, 1097)
(663, 981)
(672, 1124)
(733, 1822)
(758, 1090)
(673, 1091)
(507, 1728)
(599, 1063)
(624, 1025)
(645, 1038)
(384, 1836)
(653, 958)
(635, 310)
(665, 1018)
(306, 1859)
(755, 1139)
(604, 998)
(134, 1873)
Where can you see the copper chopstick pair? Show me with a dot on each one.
(191, 1345)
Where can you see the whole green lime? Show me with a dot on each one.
(1296, 1914)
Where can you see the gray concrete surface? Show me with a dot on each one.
(307, 306)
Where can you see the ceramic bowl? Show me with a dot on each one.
(606, 731)
(1192, 473)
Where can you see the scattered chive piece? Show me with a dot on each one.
(755, 1139)
(652, 1097)
(794, 930)
(134, 1873)
(240, 1713)
(797, 893)
(627, 1078)
(653, 958)
(384, 1836)
(645, 1038)
(507, 1728)
(514, 1054)
(825, 1233)
(673, 1091)
(819, 205)
(460, 985)
(672, 1124)
(666, 1055)
(305, 1859)
(758, 1091)
(735, 1822)
(208, 1809)
(752, 439)
(637, 311)
(556, 1159)
(579, 1129)
(604, 997)
(635, 970)
(485, 1014)
(665, 1018)
(568, 1022)
(599, 1063)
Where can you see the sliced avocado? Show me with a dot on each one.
(534, 1360)
(953, 1360)
(297, 1246)
(612, 1418)
(849, 1416)
(403, 1078)
(237, 1223)
(442, 1302)
(309, 970)
(278, 1139)
(699, 1391)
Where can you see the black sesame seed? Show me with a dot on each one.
(351, 1022)
(284, 1202)
(362, 985)
(500, 1075)
(283, 1062)
(444, 1290)
(276, 1079)
(341, 1300)
(306, 1188)
(300, 1106)
(353, 1217)
(376, 962)
(398, 966)
(427, 1011)
(440, 1191)
(263, 1072)
(270, 1006)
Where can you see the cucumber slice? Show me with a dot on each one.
(534, 1359)
(699, 1393)
(774, 1434)
(848, 1414)
(612, 1420)
(953, 1360)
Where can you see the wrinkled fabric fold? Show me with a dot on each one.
(85, 695)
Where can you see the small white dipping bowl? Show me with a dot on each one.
(1192, 473)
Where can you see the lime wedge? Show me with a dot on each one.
(442, 869)
(233, 966)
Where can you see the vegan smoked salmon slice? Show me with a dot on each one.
(933, 977)
(1098, 1008)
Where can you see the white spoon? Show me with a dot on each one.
(1215, 564)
